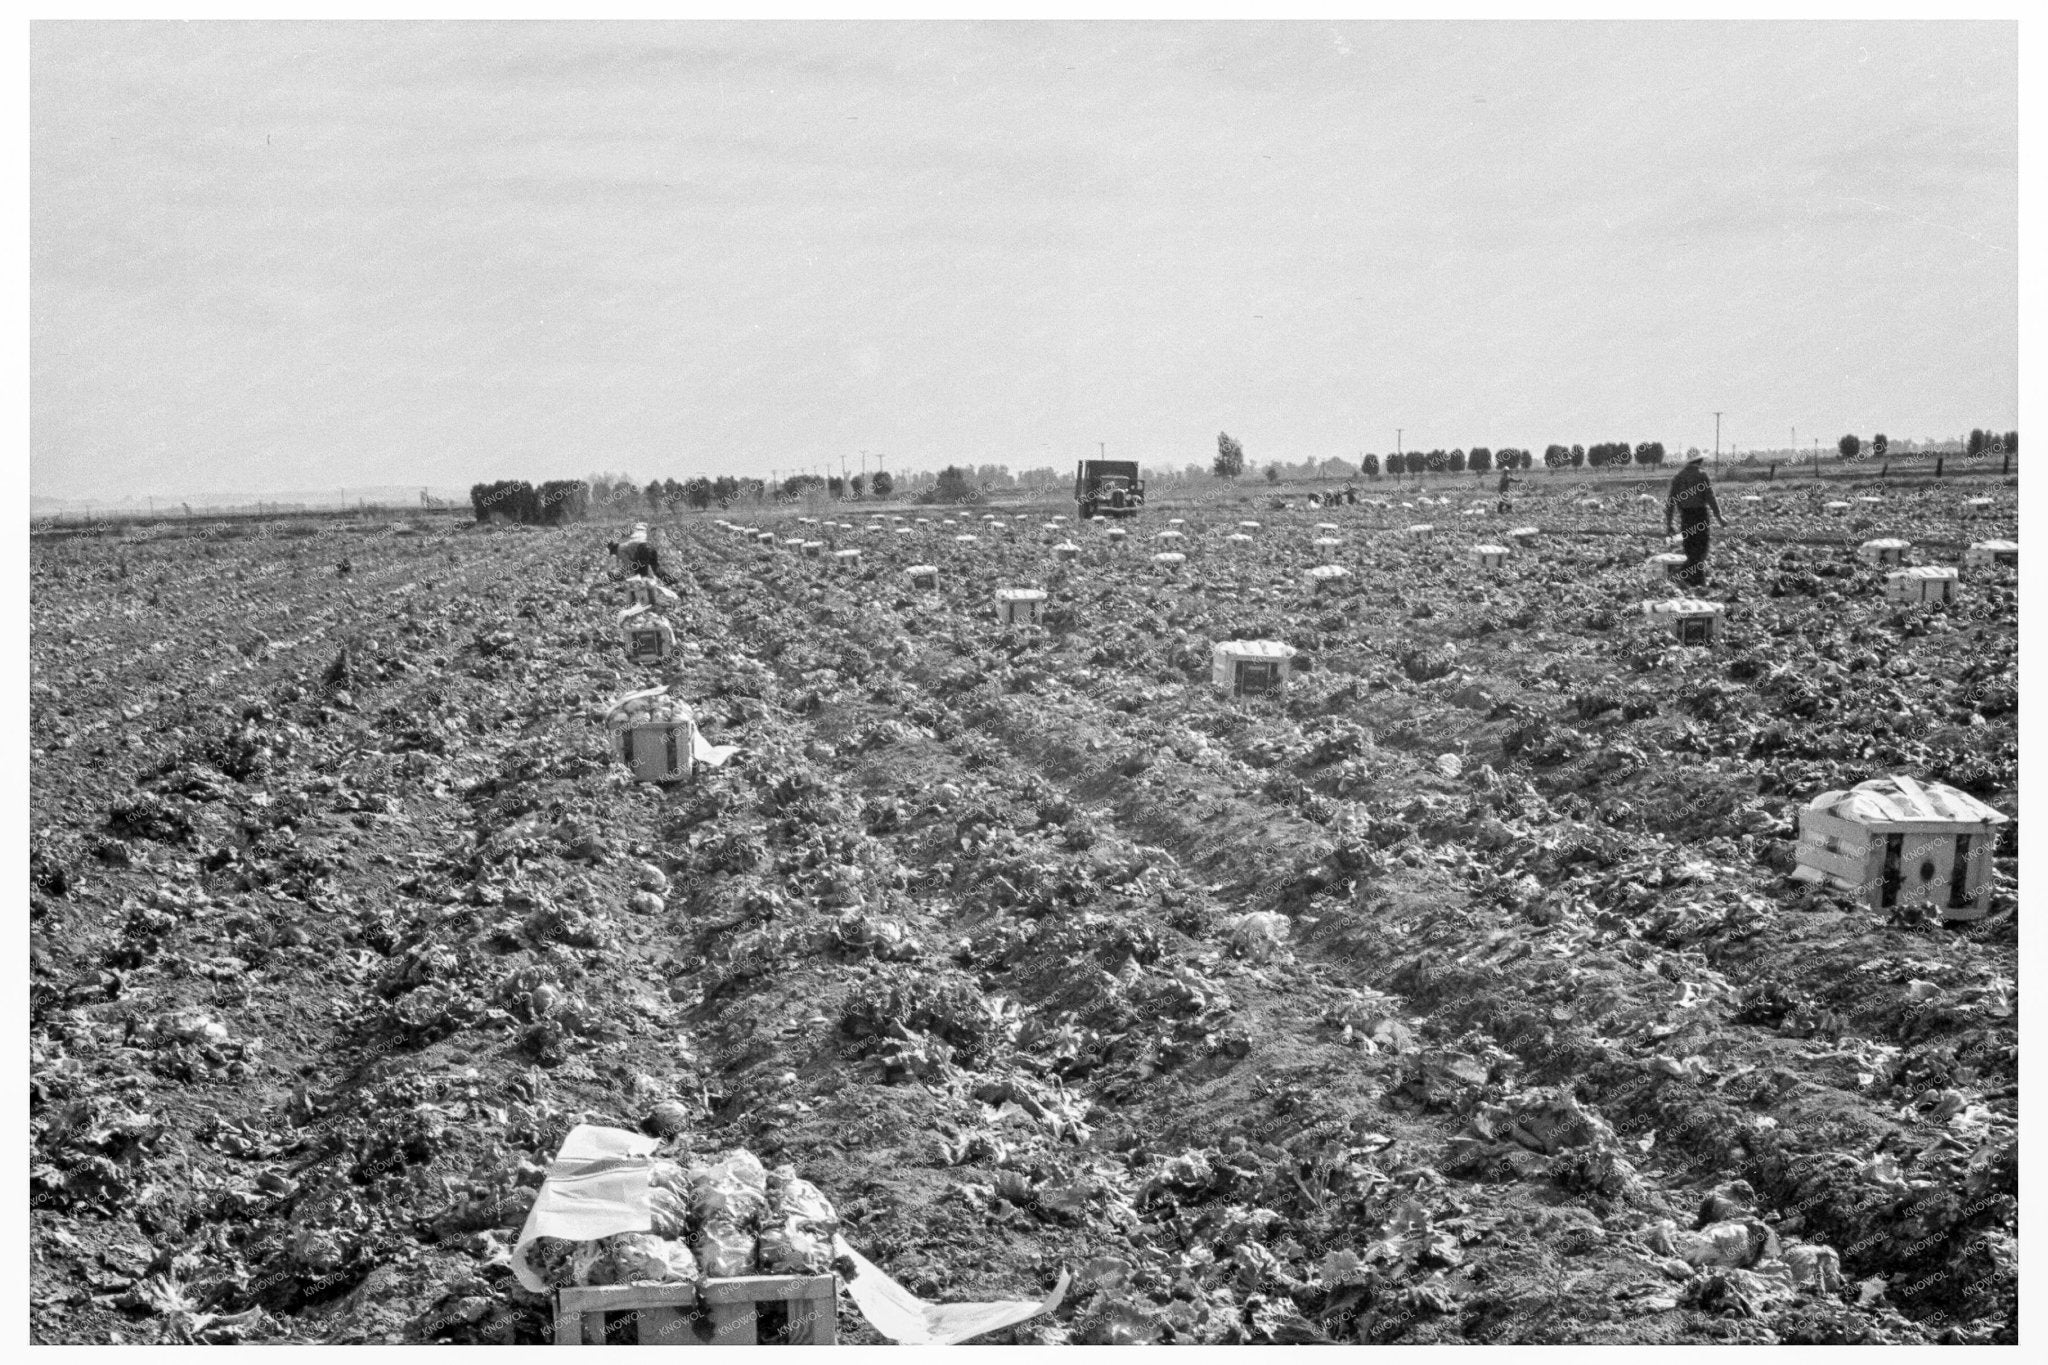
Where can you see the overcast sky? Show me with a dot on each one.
(288, 256)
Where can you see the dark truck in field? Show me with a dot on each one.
(1108, 488)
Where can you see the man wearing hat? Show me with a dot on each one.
(1690, 500)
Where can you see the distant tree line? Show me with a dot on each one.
(1992, 443)
(516, 500)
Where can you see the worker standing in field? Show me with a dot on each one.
(1506, 480)
(1690, 501)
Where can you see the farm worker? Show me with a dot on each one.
(638, 557)
(1505, 480)
(1691, 498)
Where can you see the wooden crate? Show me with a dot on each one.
(717, 1313)
(1020, 606)
(657, 751)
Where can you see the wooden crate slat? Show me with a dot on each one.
(754, 1288)
(734, 1323)
(814, 1321)
(663, 1326)
(665, 1316)
(1841, 864)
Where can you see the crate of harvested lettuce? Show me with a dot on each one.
(636, 1248)
(656, 736)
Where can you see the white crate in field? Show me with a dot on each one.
(1020, 606)
(1052, 528)
(1664, 565)
(1329, 526)
(1327, 543)
(654, 735)
(1489, 556)
(846, 561)
(1176, 521)
(648, 639)
(1066, 549)
(1690, 620)
(1421, 530)
(924, 521)
(1248, 525)
(1893, 841)
(642, 591)
(923, 575)
(1868, 497)
(1171, 535)
(1985, 552)
(904, 531)
(795, 543)
(1239, 540)
(963, 540)
(1522, 535)
(1117, 535)
(1326, 577)
(814, 549)
(1976, 504)
(1837, 506)
(1250, 667)
(1927, 583)
(1886, 551)
(765, 538)
(1169, 562)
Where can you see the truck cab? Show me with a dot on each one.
(1108, 488)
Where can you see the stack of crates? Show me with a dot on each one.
(1928, 583)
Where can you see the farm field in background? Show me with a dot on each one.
(1427, 1000)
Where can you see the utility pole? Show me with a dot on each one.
(1397, 440)
(1717, 440)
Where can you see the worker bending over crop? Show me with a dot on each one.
(1690, 500)
(638, 557)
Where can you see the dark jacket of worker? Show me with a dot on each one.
(1691, 498)
(638, 557)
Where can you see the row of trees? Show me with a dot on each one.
(516, 500)
(1992, 443)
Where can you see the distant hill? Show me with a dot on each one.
(390, 495)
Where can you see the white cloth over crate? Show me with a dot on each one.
(1901, 800)
(1676, 607)
(596, 1187)
(1229, 653)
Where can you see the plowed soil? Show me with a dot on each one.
(1444, 996)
